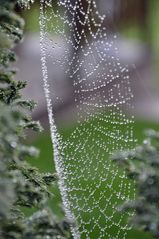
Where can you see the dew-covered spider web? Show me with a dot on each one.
(85, 78)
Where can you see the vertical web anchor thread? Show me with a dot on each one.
(54, 134)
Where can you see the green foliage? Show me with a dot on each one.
(142, 166)
(21, 185)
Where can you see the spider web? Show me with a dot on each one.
(80, 51)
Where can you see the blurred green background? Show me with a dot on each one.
(46, 164)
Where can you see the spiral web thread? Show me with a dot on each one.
(91, 186)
